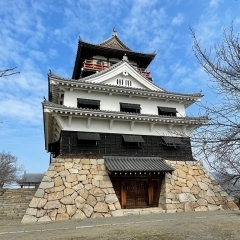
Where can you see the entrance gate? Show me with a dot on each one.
(137, 193)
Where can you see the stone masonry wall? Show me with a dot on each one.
(74, 189)
(191, 188)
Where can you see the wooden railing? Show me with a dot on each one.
(144, 72)
(90, 65)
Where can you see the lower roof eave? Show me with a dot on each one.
(133, 173)
(81, 112)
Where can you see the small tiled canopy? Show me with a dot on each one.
(136, 165)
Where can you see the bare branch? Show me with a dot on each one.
(218, 143)
(8, 72)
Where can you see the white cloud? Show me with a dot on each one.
(52, 52)
(178, 20)
(215, 3)
(23, 110)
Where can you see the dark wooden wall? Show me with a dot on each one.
(112, 144)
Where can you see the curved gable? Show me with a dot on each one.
(122, 71)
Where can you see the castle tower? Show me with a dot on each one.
(114, 136)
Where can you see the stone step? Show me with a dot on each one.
(16, 194)
(17, 198)
(14, 207)
(14, 202)
(6, 217)
(142, 211)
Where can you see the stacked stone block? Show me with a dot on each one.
(191, 188)
(74, 189)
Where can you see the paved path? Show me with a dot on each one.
(194, 225)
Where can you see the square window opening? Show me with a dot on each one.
(88, 103)
(164, 111)
(130, 108)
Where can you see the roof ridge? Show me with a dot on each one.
(132, 51)
(114, 39)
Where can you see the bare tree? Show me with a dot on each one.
(218, 143)
(8, 72)
(9, 169)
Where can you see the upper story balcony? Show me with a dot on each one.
(94, 65)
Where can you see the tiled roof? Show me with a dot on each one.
(32, 178)
(136, 164)
(115, 42)
(107, 44)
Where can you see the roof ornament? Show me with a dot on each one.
(125, 58)
(114, 33)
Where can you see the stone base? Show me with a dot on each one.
(81, 188)
(74, 189)
(191, 188)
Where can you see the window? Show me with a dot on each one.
(165, 111)
(132, 140)
(172, 141)
(130, 108)
(128, 83)
(88, 103)
(88, 138)
(121, 82)
(61, 97)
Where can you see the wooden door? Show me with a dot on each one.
(136, 193)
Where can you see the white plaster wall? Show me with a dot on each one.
(111, 102)
(121, 127)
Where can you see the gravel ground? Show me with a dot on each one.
(195, 225)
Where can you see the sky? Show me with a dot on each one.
(36, 36)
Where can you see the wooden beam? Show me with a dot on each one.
(132, 125)
(123, 194)
(88, 122)
(184, 128)
(111, 124)
(69, 121)
(151, 126)
(150, 193)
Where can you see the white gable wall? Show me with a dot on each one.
(124, 69)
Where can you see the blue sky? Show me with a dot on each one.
(36, 36)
